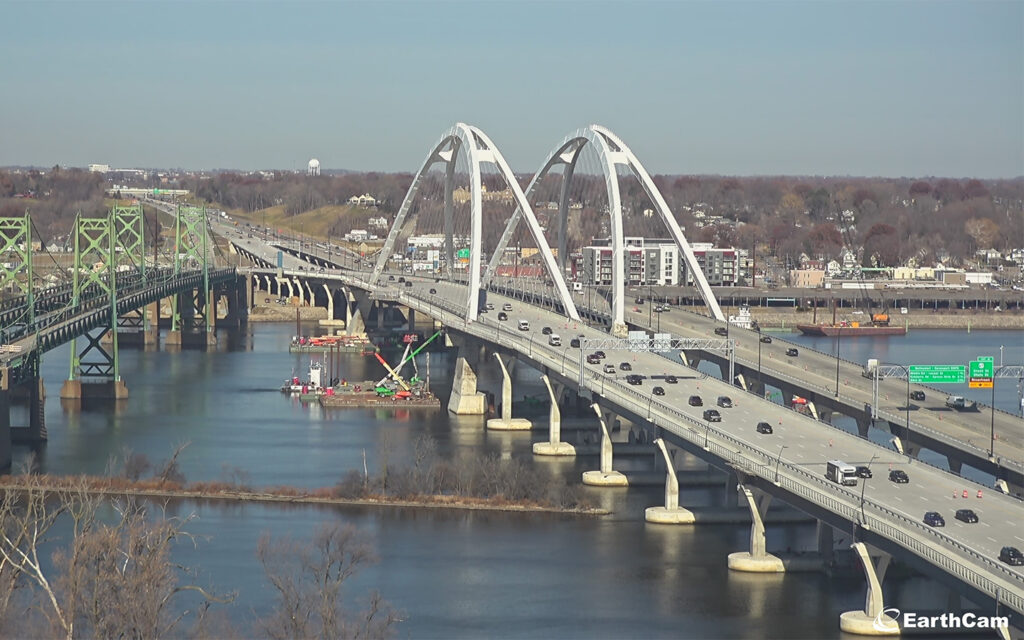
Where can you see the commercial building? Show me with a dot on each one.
(721, 267)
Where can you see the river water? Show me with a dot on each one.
(456, 573)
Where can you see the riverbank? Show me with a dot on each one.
(284, 495)
(776, 319)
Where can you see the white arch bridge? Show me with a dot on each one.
(478, 150)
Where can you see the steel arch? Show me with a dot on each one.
(479, 149)
(612, 152)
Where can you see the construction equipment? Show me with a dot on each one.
(394, 372)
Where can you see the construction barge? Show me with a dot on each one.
(391, 391)
(332, 344)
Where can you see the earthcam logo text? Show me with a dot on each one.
(891, 620)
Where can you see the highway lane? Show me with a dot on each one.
(818, 370)
(930, 489)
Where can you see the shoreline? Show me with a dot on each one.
(92, 486)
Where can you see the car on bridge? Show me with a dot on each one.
(659, 391)
(608, 368)
(506, 307)
(1011, 556)
(917, 395)
(966, 515)
(635, 379)
(764, 427)
(625, 366)
(489, 306)
(899, 476)
(934, 519)
(658, 309)
(592, 359)
(554, 340)
(671, 379)
(766, 339)
(792, 351)
(725, 402)
(575, 343)
(502, 315)
(695, 401)
(524, 325)
(864, 472)
(600, 354)
(546, 331)
(721, 331)
(712, 415)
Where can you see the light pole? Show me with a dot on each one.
(863, 486)
(777, 462)
(707, 433)
(839, 340)
(759, 356)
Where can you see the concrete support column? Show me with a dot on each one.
(863, 425)
(411, 315)
(151, 324)
(381, 309)
(826, 542)
(757, 560)
(465, 399)
(909, 449)
(554, 446)
(267, 280)
(872, 621)
(955, 464)
(302, 294)
(506, 422)
(813, 409)
(330, 302)
(37, 411)
(670, 513)
(605, 477)
(742, 381)
(732, 488)
(5, 419)
(354, 324)
(309, 292)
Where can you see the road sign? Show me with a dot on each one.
(937, 374)
(982, 371)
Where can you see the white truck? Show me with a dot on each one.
(841, 473)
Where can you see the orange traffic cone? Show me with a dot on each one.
(954, 494)
(965, 493)
(979, 493)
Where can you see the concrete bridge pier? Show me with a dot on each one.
(690, 358)
(757, 560)
(506, 422)
(863, 425)
(330, 302)
(465, 399)
(907, 448)
(871, 621)
(671, 513)
(826, 543)
(302, 293)
(354, 322)
(605, 476)
(554, 446)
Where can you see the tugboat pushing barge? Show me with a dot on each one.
(878, 326)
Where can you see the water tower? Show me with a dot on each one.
(314, 167)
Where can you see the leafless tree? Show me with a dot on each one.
(310, 578)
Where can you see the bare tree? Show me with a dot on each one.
(309, 580)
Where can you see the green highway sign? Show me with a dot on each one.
(937, 374)
(982, 371)
(462, 254)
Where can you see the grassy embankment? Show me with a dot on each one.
(223, 491)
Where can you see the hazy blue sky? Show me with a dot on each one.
(886, 88)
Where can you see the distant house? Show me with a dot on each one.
(379, 222)
(365, 200)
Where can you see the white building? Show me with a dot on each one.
(365, 200)
(313, 168)
(99, 168)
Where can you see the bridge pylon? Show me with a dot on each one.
(193, 313)
(138, 326)
(16, 266)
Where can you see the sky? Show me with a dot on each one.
(736, 88)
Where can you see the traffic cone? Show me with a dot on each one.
(954, 494)
(965, 493)
(979, 493)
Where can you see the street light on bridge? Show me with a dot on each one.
(777, 462)
(863, 486)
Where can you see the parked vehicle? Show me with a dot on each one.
(695, 401)
(934, 519)
(899, 476)
(841, 473)
(712, 415)
(764, 427)
(966, 515)
(725, 402)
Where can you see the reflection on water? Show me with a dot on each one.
(452, 573)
